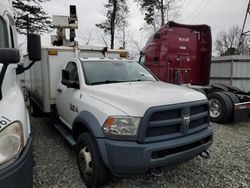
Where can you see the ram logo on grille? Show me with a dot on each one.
(186, 121)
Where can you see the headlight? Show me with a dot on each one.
(121, 127)
(11, 142)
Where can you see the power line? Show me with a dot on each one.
(243, 33)
(197, 8)
(186, 3)
(194, 17)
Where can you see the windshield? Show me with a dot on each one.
(106, 72)
(3, 34)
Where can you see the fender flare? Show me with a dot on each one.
(86, 121)
(89, 122)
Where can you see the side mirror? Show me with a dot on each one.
(34, 50)
(67, 82)
(34, 47)
(9, 55)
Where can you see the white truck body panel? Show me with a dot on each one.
(136, 97)
(12, 105)
(41, 80)
(15, 168)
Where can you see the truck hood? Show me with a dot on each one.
(134, 98)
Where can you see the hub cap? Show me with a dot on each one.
(85, 161)
(215, 108)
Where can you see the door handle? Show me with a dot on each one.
(59, 90)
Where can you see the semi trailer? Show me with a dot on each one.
(120, 117)
(181, 54)
(15, 139)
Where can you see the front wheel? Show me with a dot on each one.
(92, 169)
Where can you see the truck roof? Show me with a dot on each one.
(89, 51)
(104, 59)
(97, 48)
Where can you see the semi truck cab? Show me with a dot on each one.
(181, 54)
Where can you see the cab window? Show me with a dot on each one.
(72, 69)
(3, 34)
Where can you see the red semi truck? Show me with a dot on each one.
(181, 54)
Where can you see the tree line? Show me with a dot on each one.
(156, 14)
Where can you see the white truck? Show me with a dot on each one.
(15, 140)
(120, 117)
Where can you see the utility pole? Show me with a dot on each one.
(243, 32)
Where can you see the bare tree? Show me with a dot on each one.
(163, 9)
(227, 42)
(116, 17)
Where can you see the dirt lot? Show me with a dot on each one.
(229, 165)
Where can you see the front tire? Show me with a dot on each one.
(91, 167)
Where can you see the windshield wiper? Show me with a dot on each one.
(107, 82)
(139, 80)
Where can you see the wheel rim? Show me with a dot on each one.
(215, 108)
(85, 161)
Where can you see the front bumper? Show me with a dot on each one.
(126, 157)
(19, 173)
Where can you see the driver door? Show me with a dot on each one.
(67, 96)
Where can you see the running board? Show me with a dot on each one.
(65, 133)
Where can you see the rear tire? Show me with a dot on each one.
(233, 97)
(91, 167)
(221, 107)
(34, 109)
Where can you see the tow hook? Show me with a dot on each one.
(157, 172)
(205, 154)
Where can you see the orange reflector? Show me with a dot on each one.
(124, 54)
(109, 122)
(53, 52)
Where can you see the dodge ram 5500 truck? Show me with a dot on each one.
(15, 140)
(122, 119)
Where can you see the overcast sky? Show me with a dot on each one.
(219, 14)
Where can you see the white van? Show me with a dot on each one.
(15, 139)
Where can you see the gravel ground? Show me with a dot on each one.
(229, 166)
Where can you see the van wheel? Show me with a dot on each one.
(221, 107)
(91, 167)
(34, 109)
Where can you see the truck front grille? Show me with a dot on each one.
(166, 122)
(165, 115)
